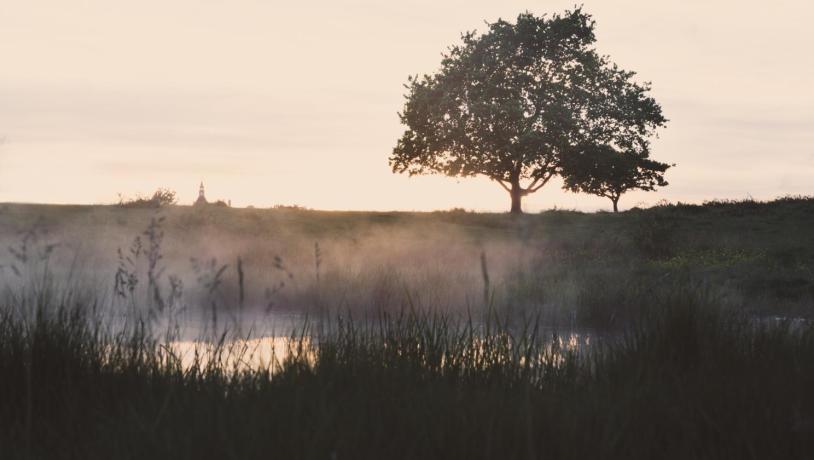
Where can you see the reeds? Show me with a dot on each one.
(686, 380)
(668, 368)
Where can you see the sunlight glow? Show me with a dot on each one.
(297, 103)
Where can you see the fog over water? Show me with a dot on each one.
(288, 261)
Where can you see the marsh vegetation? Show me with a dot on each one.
(673, 332)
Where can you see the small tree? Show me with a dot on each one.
(603, 171)
(160, 198)
(164, 197)
(510, 104)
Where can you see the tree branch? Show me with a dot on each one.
(538, 108)
(532, 184)
(533, 187)
(505, 187)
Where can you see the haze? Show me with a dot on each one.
(296, 103)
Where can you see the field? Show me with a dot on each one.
(589, 268)
(679, 331)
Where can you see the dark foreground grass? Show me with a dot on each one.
(688, 381)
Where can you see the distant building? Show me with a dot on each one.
(201, 201)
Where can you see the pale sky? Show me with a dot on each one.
(296, 102)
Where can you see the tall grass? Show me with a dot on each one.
(757, 256)
(686, 380)
(667, 367)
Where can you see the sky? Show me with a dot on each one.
(296, 102)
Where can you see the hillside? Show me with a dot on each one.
(754, 255)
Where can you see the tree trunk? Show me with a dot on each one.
(517, 196)
(615, 204)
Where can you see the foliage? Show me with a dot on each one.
(510, 104)
(604, 172)
(290, 207)
(675, 368)
(654, 235)
(160, 198)
(545, 262)
(686, 381)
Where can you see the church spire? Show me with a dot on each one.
(201, 196)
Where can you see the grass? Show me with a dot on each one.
(687, 380)
(753, 255)
(435, 336)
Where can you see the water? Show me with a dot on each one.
(265, 342)
(263, 353)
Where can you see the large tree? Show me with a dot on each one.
(509, 104)
(604, 172)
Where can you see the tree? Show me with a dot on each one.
(602, 171)
(511, 103)
(160, 198)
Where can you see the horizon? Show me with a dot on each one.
(269, 109)
(600, 209)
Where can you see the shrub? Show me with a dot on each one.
(160, 198)
(654, 234)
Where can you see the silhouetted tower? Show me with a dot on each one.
(201, 196)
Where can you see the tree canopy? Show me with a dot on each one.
(604, 172)
(511, 103)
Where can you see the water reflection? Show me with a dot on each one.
(263, 353)
(269, 353)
